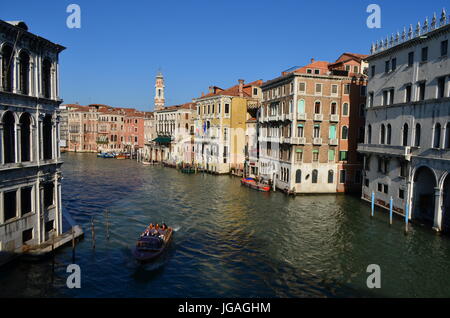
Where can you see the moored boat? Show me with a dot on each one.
(105, 155)
(253, 184)
(188, 170)
(149, 247)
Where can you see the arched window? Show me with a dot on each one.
(298, 176)
(437, 136)
(24, 79)
(7, 68)
(382, 134)
(344, 132)
(389, 134)
(405, 135)
(345, 109)
(330, 176)
(447, 136)
(301, 106)
(417, 138)
(317, 107)
(315, 175)
(46, 78)
(25, 137)
(9, 138)
(333, 108)
(187, 127)
(369, 134)
(47, 137)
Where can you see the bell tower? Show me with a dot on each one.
(159, 92)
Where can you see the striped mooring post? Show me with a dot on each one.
(406, 217)
(390, 211)
(373, 203)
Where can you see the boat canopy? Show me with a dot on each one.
(162, 140)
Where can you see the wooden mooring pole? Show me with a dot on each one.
(73, 246)
(93, 233)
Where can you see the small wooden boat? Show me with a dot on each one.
(149, 247)
(188, 170)
(121, 156)
(251, 183)
(105, 155)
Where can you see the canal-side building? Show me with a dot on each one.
(309, 123)
(103, 128)
(82, 123)
(149, 135)
(174, 135)
(407, 144)
(63, 127)
(220, 127)
(30, 164)
(133, 129)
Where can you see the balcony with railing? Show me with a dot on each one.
(317, 141)
(389, 150)
(318, 117)
(301, 116)
(334, 142)
(334, 118)
(298, 140)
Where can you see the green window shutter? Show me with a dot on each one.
(301, 106)
(331, 155)
(299, 150)
(333, 132)
(343, 156)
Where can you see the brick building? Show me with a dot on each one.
(310, 120)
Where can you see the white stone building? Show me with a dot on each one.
(174, 133)
(30, 164)
(407, 142)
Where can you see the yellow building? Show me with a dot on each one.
(219, 142)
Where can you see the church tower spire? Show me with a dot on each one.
(159, 92)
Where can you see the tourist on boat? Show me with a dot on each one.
(154, 231)
(162, 230)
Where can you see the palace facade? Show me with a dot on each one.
(407, 144)
(30, 163)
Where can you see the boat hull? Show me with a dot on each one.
(255, 185)
(150, 255)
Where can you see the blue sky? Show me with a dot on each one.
(116, 54)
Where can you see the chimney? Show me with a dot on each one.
(203, 94)
(211, 89)
(241, 87)
(312, 60)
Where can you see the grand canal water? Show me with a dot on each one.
(230, 241)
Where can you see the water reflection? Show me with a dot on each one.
(230, 241)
